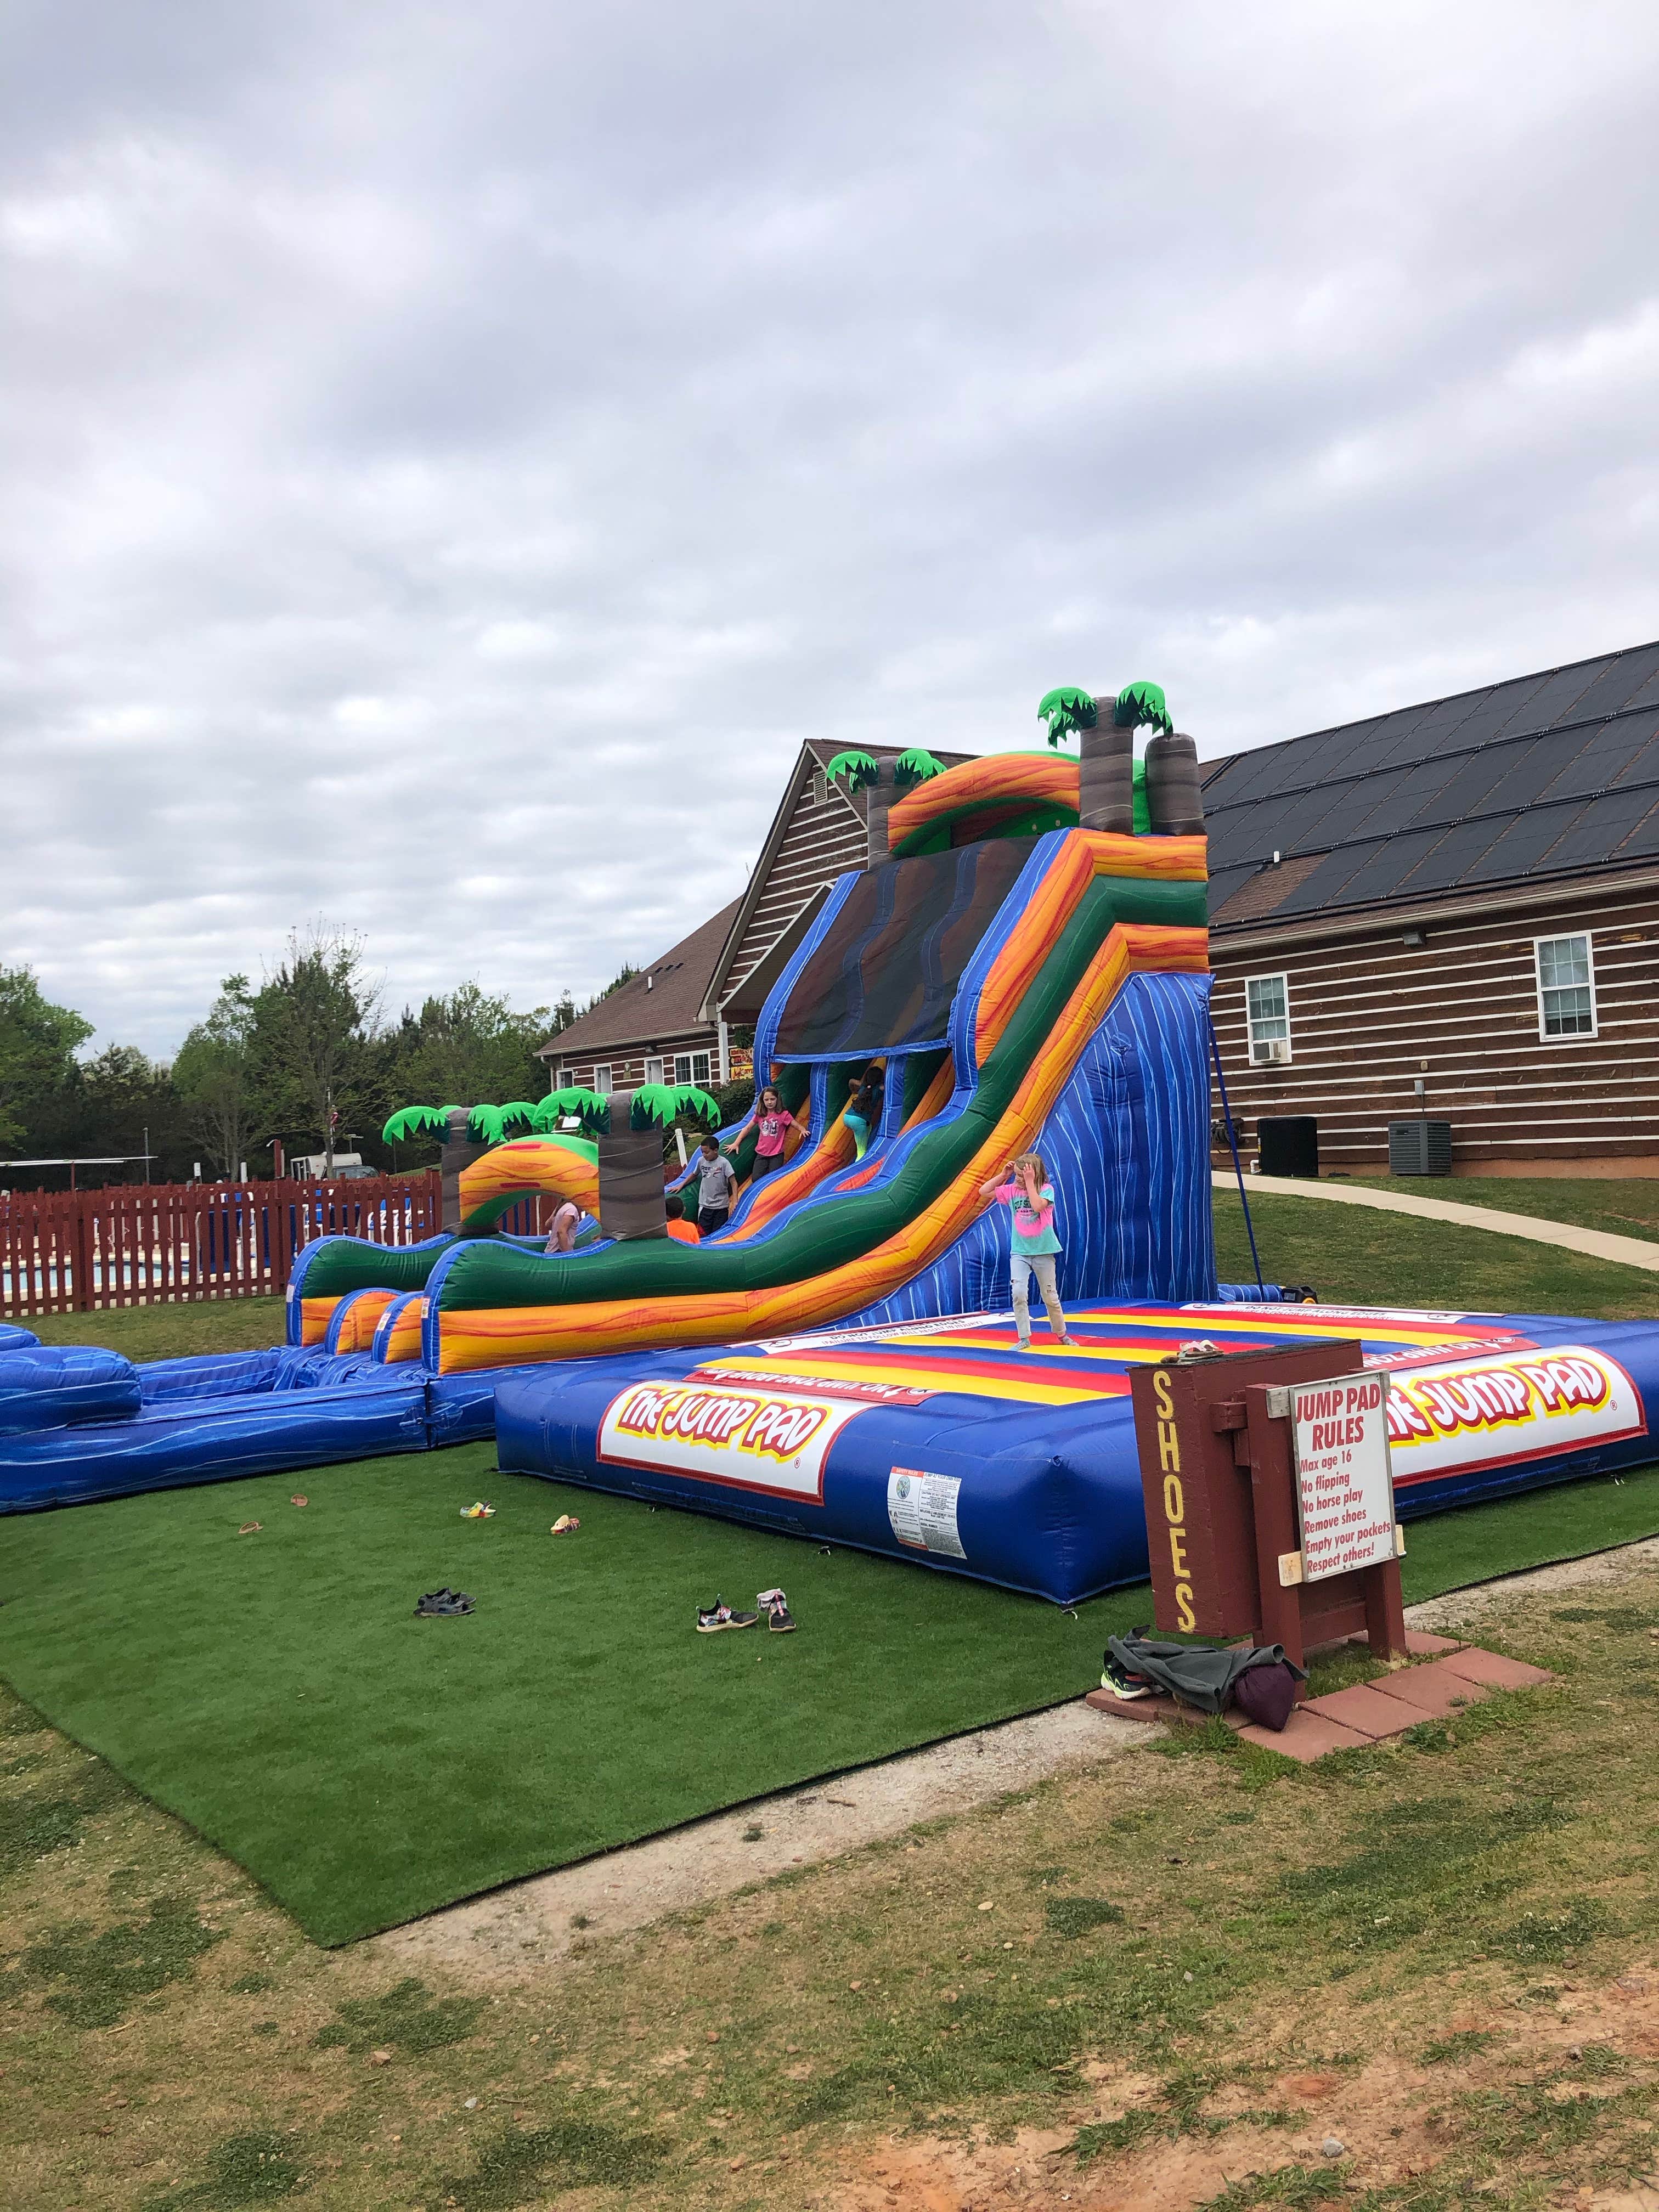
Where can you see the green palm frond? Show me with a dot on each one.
(1142, 703)
(698, 1104)
(915, 766)
(416, 1121)
(856, 768)
(654, 1101)
(1067, 710)
(590, 1108)
(491, 1124)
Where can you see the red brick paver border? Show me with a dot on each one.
(1366, 1712)
(1432, 1691)
(1494, 1671)
(1365, 1707)
(1307, 1735)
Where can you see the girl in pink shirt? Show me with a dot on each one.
(1034, 1243)
(773, 1123)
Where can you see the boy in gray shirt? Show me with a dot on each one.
(716, 1188)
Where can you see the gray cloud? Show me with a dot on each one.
(452, 457)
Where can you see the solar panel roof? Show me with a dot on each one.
(1553, 772)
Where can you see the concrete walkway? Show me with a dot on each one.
(1599, 1244)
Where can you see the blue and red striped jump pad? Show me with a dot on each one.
(942, 1441)
(938, 1442)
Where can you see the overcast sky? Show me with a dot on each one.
(453, 453)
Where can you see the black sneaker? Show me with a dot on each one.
(445, 1601)
(776, 1606)
(1121, 1683)
(711, 1619)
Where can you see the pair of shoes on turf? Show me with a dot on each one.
(445, 1601)
(711, 1619)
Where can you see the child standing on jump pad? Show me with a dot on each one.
(1026, 1188)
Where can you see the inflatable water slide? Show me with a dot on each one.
(1047, 988)
(1024, 956)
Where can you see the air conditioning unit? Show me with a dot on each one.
(1419, 1148)
(1273, 1052)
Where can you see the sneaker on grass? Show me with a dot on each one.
(774, 1604)
(711, 1619)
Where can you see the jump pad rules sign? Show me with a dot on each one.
(1345, 1486)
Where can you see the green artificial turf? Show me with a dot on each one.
(276, 1691)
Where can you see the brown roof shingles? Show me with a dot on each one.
(637, 1015)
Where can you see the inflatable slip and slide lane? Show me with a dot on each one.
(839, 1362)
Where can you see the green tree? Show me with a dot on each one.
(470, 1045)
(38, 1044)
(311, 1049)
(213, 1075)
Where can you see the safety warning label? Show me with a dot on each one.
(922, 1509)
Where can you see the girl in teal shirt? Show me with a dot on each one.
(1036, 1245)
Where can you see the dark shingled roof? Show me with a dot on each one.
(1546, 775)
(634, 1015)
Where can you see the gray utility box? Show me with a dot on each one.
(1419, 1148)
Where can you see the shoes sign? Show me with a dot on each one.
(1344, 1480)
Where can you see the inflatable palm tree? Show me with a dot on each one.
(1105, 765)
(881, 782)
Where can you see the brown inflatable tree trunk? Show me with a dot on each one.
(879, 799)
(458, 1152)
(1105, 775)
(631, 1188)
(1173, 797)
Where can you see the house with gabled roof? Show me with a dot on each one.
(674, 1021)
(1451, 913)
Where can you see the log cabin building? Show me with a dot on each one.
(1450, 911)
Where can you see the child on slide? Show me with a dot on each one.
(1026, 1188)
(773, 1123)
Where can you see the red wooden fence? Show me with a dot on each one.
(155, 1244)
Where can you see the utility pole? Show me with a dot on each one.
(147, 1154)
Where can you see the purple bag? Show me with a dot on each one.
(1267, 1694)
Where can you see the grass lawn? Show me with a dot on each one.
(1626, 1207)
(169, 1331)
(1355, 1256)
(1161, 1982)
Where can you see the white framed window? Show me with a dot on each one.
(602, 1081)
(1566, 987)
(1268, 1008)
(567, 1077)
(653, 1071)
(692, 1067)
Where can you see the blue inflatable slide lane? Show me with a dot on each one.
(77, 1423)
(942, 1443)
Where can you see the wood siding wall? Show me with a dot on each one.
(825, 837)
(627, 1062)
(1368, 1016)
